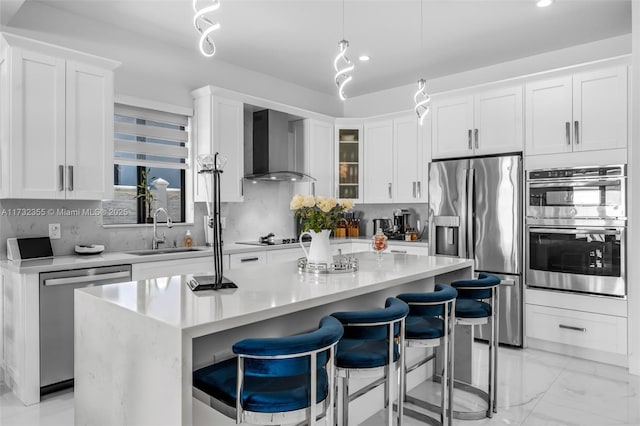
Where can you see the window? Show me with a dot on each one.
(150, 145)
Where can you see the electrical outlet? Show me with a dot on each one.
(54, 231)
(223, 222)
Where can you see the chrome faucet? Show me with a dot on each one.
(159, 239)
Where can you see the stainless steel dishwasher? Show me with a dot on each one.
(56, 319)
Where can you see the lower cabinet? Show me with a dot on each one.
(585, 326)
(284, 255)
(247, 260)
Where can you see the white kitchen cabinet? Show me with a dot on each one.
(478, 123)
(410, 185)
(580, 112)
(284, 255)
(407, 249)
(378, 162)
(348, 160)
(247, 260)
(219, 127)
(357, 246)
(316, 156)
(591, 327)
(393, 157)
(57, 120)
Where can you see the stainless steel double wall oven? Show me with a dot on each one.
(576, 229)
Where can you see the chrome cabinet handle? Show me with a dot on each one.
(390, 196)
(242, 187)
(414, 189)
(576, 131)
(249, 259)
(419, 189)
(476, 135)
(313, 188)
(470, 146)
(70, 179)
(568, 132)
(87, 278)
(398, 251)
(60, 177)
(569, 327)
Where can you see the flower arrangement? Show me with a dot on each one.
(318, 213)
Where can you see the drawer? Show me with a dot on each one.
(582, 329)
(406, 249)
(244, 260)
(284, 255)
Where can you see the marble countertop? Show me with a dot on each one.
(265, 291)
(59, 263)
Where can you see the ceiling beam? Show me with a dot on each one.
(8, 8)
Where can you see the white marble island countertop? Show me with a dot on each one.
(265, 292)
(137, 343)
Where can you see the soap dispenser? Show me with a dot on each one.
(188, 241)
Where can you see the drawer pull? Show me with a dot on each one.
(399, 251)
(249, 259)
(569, 327)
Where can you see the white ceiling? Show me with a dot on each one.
(296, 40)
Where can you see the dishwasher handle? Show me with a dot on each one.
(87, 278)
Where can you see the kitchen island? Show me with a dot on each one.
(137, 343)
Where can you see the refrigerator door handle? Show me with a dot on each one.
(463, 178)
(469, 213)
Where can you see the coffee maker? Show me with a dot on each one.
(401, 222)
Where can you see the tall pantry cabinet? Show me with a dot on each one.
(56, 116)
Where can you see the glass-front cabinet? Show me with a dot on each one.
(349, 152)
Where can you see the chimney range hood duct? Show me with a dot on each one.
(273, 157)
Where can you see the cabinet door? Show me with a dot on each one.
(407, 151)
(319, 156)
(600, 109)
(89, 128)
(36, 145)
(548, 113)
(228, 140)
(284, 255)
(498, 121)
(452, 127)
(378, 162)
(349, 156)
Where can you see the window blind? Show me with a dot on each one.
(150, 138)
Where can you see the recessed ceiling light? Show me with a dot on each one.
(544, 3)
(364, 58)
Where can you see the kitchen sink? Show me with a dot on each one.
(164, 251)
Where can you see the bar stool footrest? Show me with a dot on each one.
(460, 415)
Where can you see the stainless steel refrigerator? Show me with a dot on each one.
(475, 212)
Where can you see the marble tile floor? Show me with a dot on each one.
(535, 388)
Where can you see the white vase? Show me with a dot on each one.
(320, 249)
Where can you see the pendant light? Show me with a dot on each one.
(342, 64)
(421, 98)
(206, 26)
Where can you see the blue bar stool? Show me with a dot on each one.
(431, 323)
(369, 349)
(274, 381)
(471, 310)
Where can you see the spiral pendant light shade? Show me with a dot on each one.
(422, 100)
(343, 66)
(205, 26)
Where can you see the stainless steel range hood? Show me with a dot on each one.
(273, 152)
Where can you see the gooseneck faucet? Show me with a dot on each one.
(159, 239)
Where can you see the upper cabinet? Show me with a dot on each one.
(393, 161)
(487, 122)
(318, 156)
(349, 153)
(580, 112)
(219, 127)
(56, 112)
